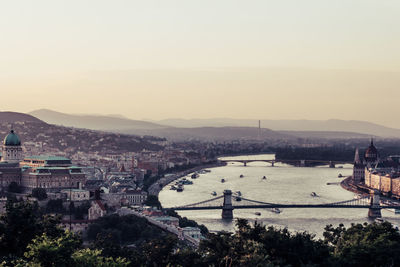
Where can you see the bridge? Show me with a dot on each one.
(301, 163)
(225, 203)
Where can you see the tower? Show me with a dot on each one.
(358, 169)
(11, 149)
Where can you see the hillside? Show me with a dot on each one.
(218, 133)
(352, 126)
(52, 138)
(12, 117)
(325, 134)
(95, 122)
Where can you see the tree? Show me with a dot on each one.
(153, 201)
(21, 222)
(93, 258)
(55, 205)
(13, 187)
(39, 193)
(49, 252)
(364, 244)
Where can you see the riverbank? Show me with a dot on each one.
(348, 185)
(156, 187)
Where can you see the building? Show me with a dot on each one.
(135, 197)
(371, 157)
(96, 210)
(76, 194)
(11, 148)
(49, 172)
(192, 232)
(380, 174)
(358, 169)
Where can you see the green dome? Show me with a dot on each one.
(12, 139)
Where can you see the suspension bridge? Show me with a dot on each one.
(227, 205)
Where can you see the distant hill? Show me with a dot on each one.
(218, 134)
(325, 134)
(114, 123)
(13, 117)
(71, 140)
(353, 126)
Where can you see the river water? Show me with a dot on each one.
(284, 184)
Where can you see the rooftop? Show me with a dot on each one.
(46, 158)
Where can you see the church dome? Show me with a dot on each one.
(12, 139)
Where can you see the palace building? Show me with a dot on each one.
(377, 173)
(49, 172)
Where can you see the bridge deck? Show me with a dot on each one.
(284, 206)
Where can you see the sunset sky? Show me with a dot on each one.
(258, 59)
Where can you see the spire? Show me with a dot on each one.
(372, 141)
(357, 157)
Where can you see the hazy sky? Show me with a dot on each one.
(309, 59)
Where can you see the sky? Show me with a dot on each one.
(257, 59)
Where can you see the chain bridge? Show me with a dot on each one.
(229, 202)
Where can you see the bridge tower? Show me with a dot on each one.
(227, 209)
(375, 208)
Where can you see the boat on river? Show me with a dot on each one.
(257, 213)
(180, 188)
(239, 193)
(214, 193)
(222, 180)
(264, 178)
(276, 210)
(313, 194)
(340, 175)
(172, 187)
(241, 176)
(194, 175)
(238, 198)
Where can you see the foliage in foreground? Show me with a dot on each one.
(28, 238)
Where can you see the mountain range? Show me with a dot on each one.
(221, 128)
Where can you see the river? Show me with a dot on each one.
(284, 184)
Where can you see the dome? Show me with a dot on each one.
(371, 152)
(12, 139)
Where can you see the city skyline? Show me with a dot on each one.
(153, 60)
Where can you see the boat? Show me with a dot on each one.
(313, 194)
(222, 180)
(214, 193)
(238, 198)
(264, 178)
(180, 188)
(194, 175)
(172, 187)
(340, 175)
(340, 167)
(257, 213)
(239, 193)
(276, 210)
(185, 182)
(241, 176)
